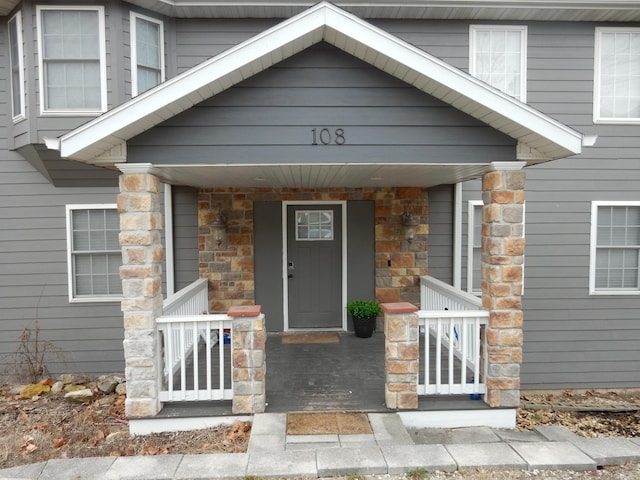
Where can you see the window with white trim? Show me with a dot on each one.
(615, 248)
(474, 250)
(71, 49)
(498, 56)
(93, 252)
(16, 60)
(147, 53)
(617, 75)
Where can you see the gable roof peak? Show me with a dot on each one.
(321, 22)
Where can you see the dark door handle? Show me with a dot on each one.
(290, 275)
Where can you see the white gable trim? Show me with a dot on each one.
(323, 22)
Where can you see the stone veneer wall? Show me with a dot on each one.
(229, 267)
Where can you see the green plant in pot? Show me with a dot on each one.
(364, 313)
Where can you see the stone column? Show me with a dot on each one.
(401, 355)
(141, 274)
(502, 274)
(249, 367)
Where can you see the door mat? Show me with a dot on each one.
(320, 337)
(328, 423)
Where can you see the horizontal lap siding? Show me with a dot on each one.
(269, 119)
(573, 340)
(33, 266)
(33, 284)
(185, 236)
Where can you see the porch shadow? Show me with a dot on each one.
(343, 376)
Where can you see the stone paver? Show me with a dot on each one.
(78, 469)
(213, 465)
(389, 429)
(350, 460)
(556, 455)
(307, 442)
(609, 451)
(471, 435)
(282, 464)
(517, 436)
(141, 468)
(492, 455)
(404, 458)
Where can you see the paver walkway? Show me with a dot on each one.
(389, 449)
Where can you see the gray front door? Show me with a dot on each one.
(314, 266)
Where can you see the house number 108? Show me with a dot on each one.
(325, 137)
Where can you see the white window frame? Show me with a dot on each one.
(134, 51)
(102, 61)
(471, 206)
(593, 248)
(473, 29)
(20, 114)
(596, 81)
(69, 209)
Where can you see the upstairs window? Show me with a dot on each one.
(498, 57)
(93, 253)
(17, 67)
(147, 53)
(615, 248)
(617, 75)
(72, 59)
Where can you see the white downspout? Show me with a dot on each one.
(168, 238)
(457, 236)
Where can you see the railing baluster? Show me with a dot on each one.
(463, 316)
(196, 380)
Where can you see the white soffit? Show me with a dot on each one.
(347, 32)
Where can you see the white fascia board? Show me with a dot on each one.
(453, 79)
(171, 94)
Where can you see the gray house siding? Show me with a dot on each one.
(383, 120)
(440, 246)
(572, 339)
(185, 236)
(33, 282)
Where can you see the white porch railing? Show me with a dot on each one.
(452, 326)
(197, 364)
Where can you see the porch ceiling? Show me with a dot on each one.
(546, 138)
(318, 176)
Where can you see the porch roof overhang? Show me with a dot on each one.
(540, 138)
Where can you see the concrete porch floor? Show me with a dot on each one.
(343, 376)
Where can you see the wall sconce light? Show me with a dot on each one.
(410, 226)
(219, 228)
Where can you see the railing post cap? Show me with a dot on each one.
(244, 311)
(399, 307)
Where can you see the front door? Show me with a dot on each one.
(314, 266)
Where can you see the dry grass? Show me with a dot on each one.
(50, 427)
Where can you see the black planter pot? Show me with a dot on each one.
(364, 327)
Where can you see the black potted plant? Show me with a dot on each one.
(364, 313)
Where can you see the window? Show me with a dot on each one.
(498, 57)
(615, 248)
(17, 66)
(314, 225)
(474, 250)
(94, 254)
(617, 75)
(147, 53)
(72, 55)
